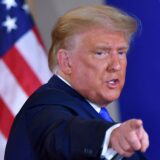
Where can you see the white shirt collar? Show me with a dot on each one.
(63, 80)
(95, 106)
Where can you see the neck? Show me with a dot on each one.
(63, 76)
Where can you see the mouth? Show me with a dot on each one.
(113, 83)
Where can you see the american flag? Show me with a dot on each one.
(23, 62)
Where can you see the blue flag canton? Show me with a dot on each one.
(15, 20)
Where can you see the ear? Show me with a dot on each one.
(63, 57)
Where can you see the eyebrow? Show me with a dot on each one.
(106, 47)
(123, 48)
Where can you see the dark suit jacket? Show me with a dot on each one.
(57, 123)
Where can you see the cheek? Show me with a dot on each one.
(80, 73)
(87, 76)
(123, 72)
(86, 70)
(124, 65)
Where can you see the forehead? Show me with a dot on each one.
(101, 37)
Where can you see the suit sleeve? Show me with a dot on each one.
(57, 133)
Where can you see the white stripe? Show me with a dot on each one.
(10, 91)
(34, 54)
(3, 143)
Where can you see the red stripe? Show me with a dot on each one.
(22, 71)
(36, 32)
(6, 119)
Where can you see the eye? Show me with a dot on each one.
(101, 54)
(122, 53)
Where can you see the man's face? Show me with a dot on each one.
(98, 65)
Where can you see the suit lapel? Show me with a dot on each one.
(83, 106)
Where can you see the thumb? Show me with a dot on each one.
(136, 123)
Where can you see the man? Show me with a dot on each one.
(61, 120)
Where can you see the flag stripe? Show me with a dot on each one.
(33, 53)
(36, 32)
(5, 116)
(3, 143)
(21, 71)
(13, 96)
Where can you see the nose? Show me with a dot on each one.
(114, 64)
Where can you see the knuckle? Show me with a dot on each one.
(126, 147)
(122, 152)
(135, 143)
(145, 146)
(137, 146)
(133, 140)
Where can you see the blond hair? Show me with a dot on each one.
(82, 18)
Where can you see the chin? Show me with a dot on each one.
(107, 101)
(111, 98)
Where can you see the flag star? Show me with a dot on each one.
(10, 24)
(9, 3)
(25, 8)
